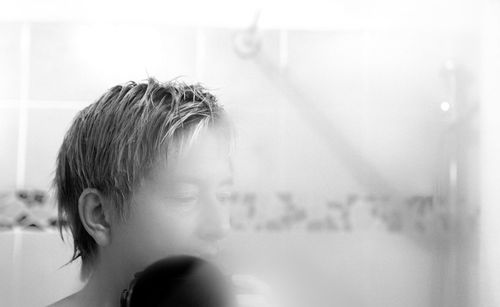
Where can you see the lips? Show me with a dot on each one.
(207, 252)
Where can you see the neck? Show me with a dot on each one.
(104, 286)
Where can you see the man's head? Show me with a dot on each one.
(144, 173)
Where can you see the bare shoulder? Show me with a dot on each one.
(70, 301)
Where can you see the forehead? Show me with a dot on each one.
(203, 158)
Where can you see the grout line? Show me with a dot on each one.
(283, 110)
(23, 114)
(17, 246)
(11, 101)
(5, 104)
(199, 53)
(21, 150)
(42, 104)
(283, 49)
(21, 146)
(283, 54)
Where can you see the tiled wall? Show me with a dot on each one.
(36, 276)
(344, 99)
(375, 91)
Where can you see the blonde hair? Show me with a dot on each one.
(113, 143)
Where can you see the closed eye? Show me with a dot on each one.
(187, 198)
(224, 196)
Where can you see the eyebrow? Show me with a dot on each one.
(190, 179)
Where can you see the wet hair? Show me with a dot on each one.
(113, 144)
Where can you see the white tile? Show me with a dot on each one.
(45, 133)
(10, 60)
(240, 81)
(9, 119)
(6, 278)
(81, 61)
(42, 279)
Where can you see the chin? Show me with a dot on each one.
(207, 253)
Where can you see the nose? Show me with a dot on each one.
(214, 222)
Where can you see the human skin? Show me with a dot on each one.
(180, 208)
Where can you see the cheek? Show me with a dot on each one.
(150, 236)
(168, 233)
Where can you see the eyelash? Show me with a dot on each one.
(186, 198)
(224, 196)
(221, 196)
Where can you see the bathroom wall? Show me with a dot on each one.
(322, 115)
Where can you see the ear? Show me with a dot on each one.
(95, 216)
